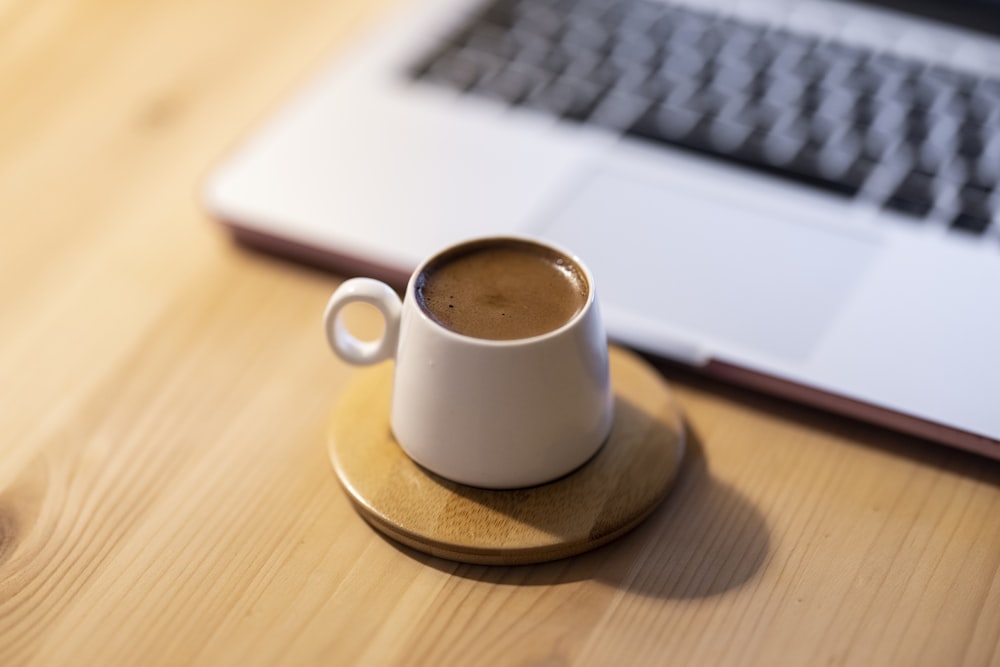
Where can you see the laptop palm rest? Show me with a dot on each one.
(730, 276)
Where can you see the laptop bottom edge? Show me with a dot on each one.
(852, 408)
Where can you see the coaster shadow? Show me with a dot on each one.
(704, 539)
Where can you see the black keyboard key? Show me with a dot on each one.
(780, 150)
(761, 115)
(970, 143)
(988, 165)
(821, 129)
(502, 13)
(807, 163)
(616, 14)
(936, 158)
(618, 110)
(492, 40)
(836, 53)
(758, 55)
(459, 69)
(857, 173)
(688, 30)
(945, 77)
(639, 50)
(752, 150)
(554, 61)
(982, 105)
(604, 75)
(711, 41)
(684, 63)
(699, 138)
(732, 110)
(531, 50)
(706, 101)
(733, 76)
(726, 135)
(661, 84)
(577, 98)
(919, 125)
(418, 69)
(970, 223)
(830, 169)
(885, 63)
(640, 17)
(586, 33)
(739, 42)
(889, 117)
(866, 108)
(811, 68)
(784, 91)
(580, 61)
(662, 30)
(975, 211)
(836, 104)
(540, 19)
(863, 81)
(784, 41)
(665, 123)
(512, 84)
(634, 81)
(875, 144)
(914, 195)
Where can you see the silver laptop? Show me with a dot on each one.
(796, 196)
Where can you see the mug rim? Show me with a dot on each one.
(508, 342)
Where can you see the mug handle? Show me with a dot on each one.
(345, 345)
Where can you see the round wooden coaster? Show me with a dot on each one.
(605, 498)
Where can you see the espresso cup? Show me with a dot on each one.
(501, 376)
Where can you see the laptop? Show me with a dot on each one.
(796, 196)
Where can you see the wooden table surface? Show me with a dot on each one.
(165, 496)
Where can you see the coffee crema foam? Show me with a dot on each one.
(502, 290)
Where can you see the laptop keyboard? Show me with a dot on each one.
(922, 140)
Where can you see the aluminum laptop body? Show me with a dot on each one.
(756, 235)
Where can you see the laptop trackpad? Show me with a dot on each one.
(719, 272)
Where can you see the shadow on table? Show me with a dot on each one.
(705, 538)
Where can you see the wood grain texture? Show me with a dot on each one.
(165, 494)
(598, 502)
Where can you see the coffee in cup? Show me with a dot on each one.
(502, 290)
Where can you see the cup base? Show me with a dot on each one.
(593, 505)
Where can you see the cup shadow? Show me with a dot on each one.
(704, 539)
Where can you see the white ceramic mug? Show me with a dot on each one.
(484, 412)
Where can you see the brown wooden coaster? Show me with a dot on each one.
(600, 501)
